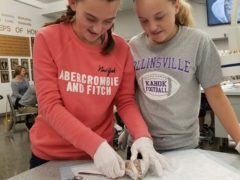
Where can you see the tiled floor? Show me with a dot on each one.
(15, 151)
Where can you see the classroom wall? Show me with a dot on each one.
(217, 33)
(19, 20)
(127, 24)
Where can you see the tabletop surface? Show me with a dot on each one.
(51, 170)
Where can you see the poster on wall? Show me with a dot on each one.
(27, 74)
(3, 64)
(13, 72)
(32, 42)
(219, 12)
(14, 46)
(14, 63)
(31, 64)
(4, 76)
(24, 63)
(32, 75)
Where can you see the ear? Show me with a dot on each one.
(72, 4)
(177, 6)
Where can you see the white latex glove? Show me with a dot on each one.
(238, 147)
(153, 161)
(108, 161)
(122, 139)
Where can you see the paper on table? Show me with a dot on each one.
(196, 165)
(187, 165)
(87, 171)
(87, 168)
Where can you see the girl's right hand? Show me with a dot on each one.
(108, 161)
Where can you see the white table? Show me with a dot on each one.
(51, 170)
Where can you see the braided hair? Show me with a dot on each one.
(69, 16)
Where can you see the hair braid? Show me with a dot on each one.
(69, 17)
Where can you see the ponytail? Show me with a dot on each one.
(184, 16)
(110, 43)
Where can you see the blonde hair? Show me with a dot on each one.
(184, 17)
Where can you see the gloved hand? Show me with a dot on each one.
(153, 161)
(238, 147)
(108, 161)
(122, 139)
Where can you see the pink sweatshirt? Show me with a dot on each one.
(77, 87)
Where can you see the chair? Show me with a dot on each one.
(206, 131)
(17, 117)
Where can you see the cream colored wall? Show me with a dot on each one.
(11, 26)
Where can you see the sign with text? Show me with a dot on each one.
(17, 25)
(14, 46)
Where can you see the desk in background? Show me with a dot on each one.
(233, 94)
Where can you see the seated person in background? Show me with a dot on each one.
(19, 85)
(28, 104)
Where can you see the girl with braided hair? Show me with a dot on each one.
(81, 70)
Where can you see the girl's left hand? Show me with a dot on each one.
(152, 160)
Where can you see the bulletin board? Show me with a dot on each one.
(14, 46)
